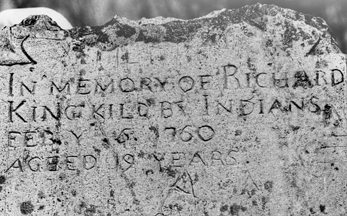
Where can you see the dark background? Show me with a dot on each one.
(98, 12)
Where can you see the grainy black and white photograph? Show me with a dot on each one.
(173, 108)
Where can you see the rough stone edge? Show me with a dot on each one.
(121, 31)
(177, 30)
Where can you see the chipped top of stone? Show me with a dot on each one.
(162, 20)
(122, 32)
(237, 15)
(247, 12)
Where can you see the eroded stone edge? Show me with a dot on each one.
(121, 32)
(179, 31)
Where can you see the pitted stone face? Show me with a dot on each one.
(240, 112)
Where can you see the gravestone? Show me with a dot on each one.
(240, 112)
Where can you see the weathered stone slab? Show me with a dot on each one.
(240, 112)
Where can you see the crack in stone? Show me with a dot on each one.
(313, 48)
(32, 61)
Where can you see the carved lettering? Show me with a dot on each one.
(10, 85)
(83, 86)
(142, 109)
(55, 116)
(52, 163)
(318, 76)
(280, 82)
(162, 84)
(12, 110)
(302, 80)
(123, 114)
(29, 139)
(73, 112)
(105, 87)
(166, 109)
(206, 132)
(60, 89)
(123, 136)
(30, 90)
(96, 111)
(296, 105)
(257, 78)
(70, 162)
(176, 159)
(276, 105)
(197, 159)
(17, 164)
(37, 164)
(186, 134)
(129, 159)
(186, 83)
(228, 109)
(246, 106)
(126, 85)
(216, 157)
(316, 109)
(204, 80)
(89, 162)
(337, 77)
(12, 137)
(227, 74)
(146, 83)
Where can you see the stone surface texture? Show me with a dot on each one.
(240, 112)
